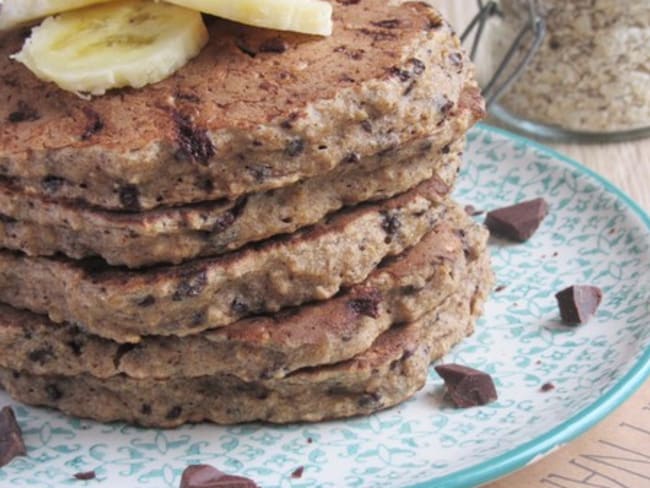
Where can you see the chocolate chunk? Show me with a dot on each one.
(190, 287)
(204, 476)
(193, 142)
(295, 147)
(76, 346)
(378, 35)
(130, 197)
(444, 104)
(274, 45)
(288, 123)
(52, 184)
(391, 224)
(187, 97)
(239, 307)
(86, 475)
(94, 124)
(434, 22)
(354, 54)
(11, 437)
(367, 126)
(370, 400)
(206, 184)
(578, 303)
(23, 113)
(351, 158)
(387, 24)
(122, 350)
(260, 173)
(517, 222)
(245, 48)
(224, 221)
(53, 393)
(466, 386)
(472, 211)
(147, 301)
(418, 66)
(403, 75)
(174, 413)
(547, 387)
(297, 473)
(42, 355)
(198, 318)
(367, 305)
(5, 219)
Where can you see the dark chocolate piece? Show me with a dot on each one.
(578, 303)
(52, 184)
(190, 287)
(130, 197)
(547, 387)
(11, 437)
(366, 304)
(472, 211)
(466, 386)
(517, 222)
(274, 45)
(391, 224)
(86, 475)
(205, 476)
(94, 124)
(24, 113)
(193, 142)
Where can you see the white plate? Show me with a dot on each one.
(594, 234)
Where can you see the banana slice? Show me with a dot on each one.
(18, 12)
(307, 16)
(117, 44)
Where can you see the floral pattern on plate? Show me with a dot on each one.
(592, 235)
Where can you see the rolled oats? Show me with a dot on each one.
(592, 72)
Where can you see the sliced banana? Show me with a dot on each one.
(18, 12)
(307, 16)
(113, 45)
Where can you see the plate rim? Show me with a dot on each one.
(542, 445)
(535, 449)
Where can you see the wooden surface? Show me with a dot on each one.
(616, 453)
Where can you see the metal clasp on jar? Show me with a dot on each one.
(517, 57)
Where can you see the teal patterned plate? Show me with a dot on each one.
(594, 234)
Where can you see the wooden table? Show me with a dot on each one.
(616, 453)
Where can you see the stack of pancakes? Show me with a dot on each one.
(266, 235)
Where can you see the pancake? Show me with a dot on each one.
(312, 264)
(40, 227)
(400, 291)
(389, 372)
(240, 118)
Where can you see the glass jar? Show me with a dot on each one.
(584, 77)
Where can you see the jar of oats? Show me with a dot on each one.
(589, 76)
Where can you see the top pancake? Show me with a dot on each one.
(257, 109)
